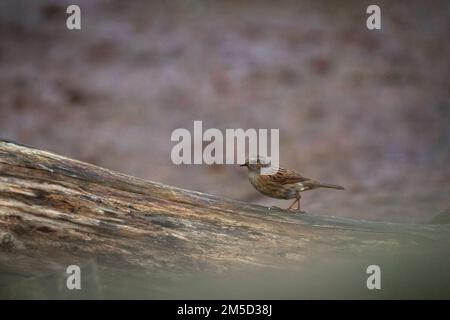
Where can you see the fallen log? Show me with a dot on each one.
(137, 238)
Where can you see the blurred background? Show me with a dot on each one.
(369, 110)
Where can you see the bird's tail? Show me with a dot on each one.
(331, 186)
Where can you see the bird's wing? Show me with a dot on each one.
(285, 176)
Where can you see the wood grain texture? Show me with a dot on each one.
(55, 211)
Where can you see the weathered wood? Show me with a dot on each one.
(144, 239)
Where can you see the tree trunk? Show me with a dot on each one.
(141, 239)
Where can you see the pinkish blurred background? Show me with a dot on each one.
(369, 110)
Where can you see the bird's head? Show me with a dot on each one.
(255, 164)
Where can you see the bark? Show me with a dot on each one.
(137, 238)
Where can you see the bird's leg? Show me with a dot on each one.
(292, 204)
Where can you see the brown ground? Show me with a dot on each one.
(366, 109)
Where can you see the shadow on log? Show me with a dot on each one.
(139, 239)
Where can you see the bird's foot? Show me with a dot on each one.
(295, 210)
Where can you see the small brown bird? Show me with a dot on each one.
(284, 184)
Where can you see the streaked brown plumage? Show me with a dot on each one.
(284, 184)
